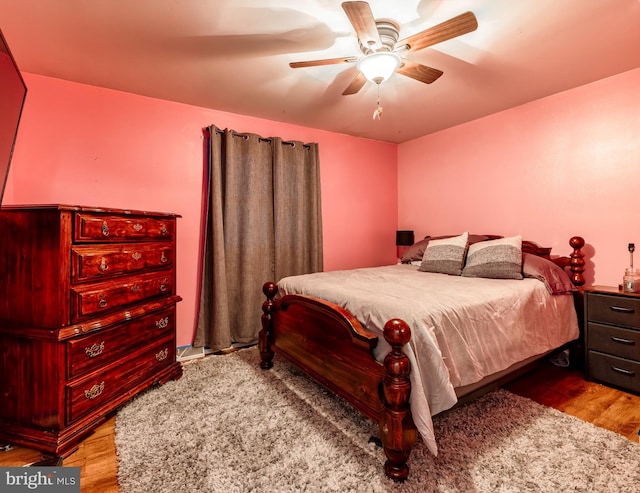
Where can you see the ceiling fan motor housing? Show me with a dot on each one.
(389, 32)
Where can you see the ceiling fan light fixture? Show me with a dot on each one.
(378, 67)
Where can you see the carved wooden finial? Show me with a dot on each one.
(397, 333)
(576, 242)
(270, 289)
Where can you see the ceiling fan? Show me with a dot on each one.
(383, 54)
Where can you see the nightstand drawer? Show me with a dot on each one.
(614, 310)
(614, 340)
(620, 372)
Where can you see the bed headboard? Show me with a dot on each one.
(574, 262)
(535, 249)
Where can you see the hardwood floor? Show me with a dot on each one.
(96, 457)
(567, 391)
(561, 388)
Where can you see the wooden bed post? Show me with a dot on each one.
(576, 262)
(576, 267)
(270, 289)
(397, 430)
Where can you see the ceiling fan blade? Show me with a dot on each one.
(356, 84)
(363, 22)
(454, 27)
(326, 61)
(418, 71)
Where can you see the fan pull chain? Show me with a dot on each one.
(377, 113)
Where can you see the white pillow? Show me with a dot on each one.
(445, 256)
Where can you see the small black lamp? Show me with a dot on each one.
(404, 239)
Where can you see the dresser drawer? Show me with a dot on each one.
(615, 310)
(94, 262)
(90, 393)
(101, 227)
(614, 340)
(92, 299)
(88, 353)
(616, 371)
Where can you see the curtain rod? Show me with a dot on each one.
(261, 139)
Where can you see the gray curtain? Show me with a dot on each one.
(264, 222)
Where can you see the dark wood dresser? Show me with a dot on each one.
(87, 317)
(612, 337)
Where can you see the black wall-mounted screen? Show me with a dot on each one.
(12, 95)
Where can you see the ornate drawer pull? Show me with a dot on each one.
(105, 228)
(135, 288)
(94, 350)
(163, 286)
(94, 391)
(620, 340)
(163, 323)
(163, 230)
(137, 227)
(623, 371)
(103, 302)
(622, 309)
(163, 258)
(136, 256)
(103, 265)
(162, 355)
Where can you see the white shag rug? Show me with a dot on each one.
(228, 426)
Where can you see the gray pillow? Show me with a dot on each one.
(445, 256)
(496, 259)
(415, 253)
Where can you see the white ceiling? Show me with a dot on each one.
(233, 55)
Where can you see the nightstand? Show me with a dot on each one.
(612, 337)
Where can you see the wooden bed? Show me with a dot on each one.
(332, 346)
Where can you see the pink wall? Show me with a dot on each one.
(85, 145)
(556, 167)
(564, 165)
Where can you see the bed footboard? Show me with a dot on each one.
(331, 346)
